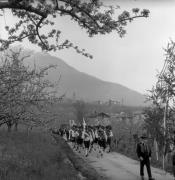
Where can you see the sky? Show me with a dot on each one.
(132, 61)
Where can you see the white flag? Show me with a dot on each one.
(84, 123)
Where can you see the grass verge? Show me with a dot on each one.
(34, 156)
(79, 164)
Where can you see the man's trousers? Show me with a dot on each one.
(145, 162)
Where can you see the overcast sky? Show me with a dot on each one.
(132, 61)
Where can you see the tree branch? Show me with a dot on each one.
(69, 12)
(7, 5)
(37, 31)
(82, 10)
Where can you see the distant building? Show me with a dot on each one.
(108, 102)
(99, 102)
(113, 102)
(127, 117)
(98, 119)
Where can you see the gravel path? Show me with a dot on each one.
(119, 167)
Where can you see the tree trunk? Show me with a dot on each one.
(156, 149)
(16, 126)
(9, 126)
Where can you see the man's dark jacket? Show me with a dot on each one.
(143, 152)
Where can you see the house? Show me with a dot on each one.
(98, 119)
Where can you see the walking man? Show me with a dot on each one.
(144, 155)
(173, 162)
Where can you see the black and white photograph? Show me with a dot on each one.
(87, 90)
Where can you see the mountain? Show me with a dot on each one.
(86, 87)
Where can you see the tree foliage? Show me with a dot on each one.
(160, 117)
(154, 123)
(24, 91)
(90, 15)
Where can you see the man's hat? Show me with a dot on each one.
(143, 136)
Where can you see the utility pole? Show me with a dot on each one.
(166, 100)
(164, 124)
(164, 133)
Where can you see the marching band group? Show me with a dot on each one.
(88, 138)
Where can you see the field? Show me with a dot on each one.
(37, 156)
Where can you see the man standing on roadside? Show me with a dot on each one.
(173, 162)
(144, 155)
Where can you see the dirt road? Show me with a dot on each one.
(119, 167)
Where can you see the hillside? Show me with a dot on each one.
(86, 87)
